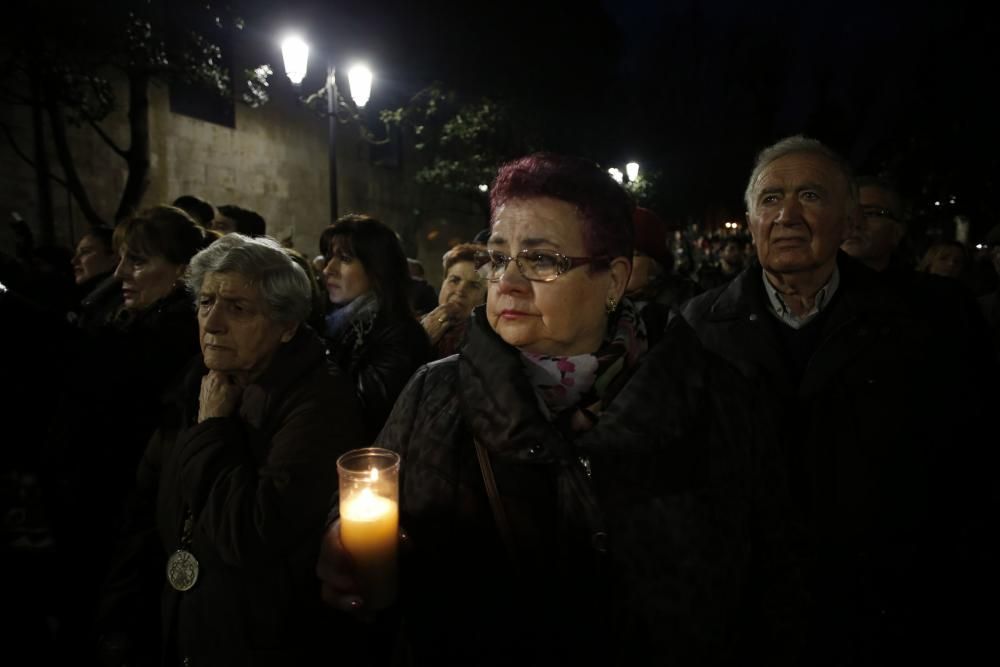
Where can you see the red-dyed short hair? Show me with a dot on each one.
(604, 205)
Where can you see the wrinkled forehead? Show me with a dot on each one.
(230, 284)
(795, 169)
(538, 221)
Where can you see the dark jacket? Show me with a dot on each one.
(877, 452)
(649, 534)
(112, 401)
(100, 300)
(257, 486)
(381, 363)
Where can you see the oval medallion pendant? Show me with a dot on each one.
(182, 570)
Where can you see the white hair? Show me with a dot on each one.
(283, 284)
(800, 144)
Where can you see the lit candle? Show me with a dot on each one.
(369, 520)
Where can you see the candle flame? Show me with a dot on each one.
(373, 475)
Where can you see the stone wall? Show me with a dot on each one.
(275, 161)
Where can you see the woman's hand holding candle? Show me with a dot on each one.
(336, 572)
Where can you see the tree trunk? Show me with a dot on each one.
(73, 183)
(46, 219)
(138, 159)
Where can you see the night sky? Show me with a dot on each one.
(692, 90)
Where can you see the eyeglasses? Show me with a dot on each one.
(538, 265)
(873, 212)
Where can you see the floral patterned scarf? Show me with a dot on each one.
(589, 382)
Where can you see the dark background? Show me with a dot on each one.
(695, 89)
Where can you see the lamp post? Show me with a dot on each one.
(632, 169)
(295, 53)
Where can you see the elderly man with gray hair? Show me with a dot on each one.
(234, 486)
(866, 388)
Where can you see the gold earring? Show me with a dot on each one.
(611, 305)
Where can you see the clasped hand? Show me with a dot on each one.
(220, 394)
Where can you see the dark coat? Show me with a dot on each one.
(100, 300)
(257, 486)
(113, 401)
(381, 363)
(658, 545)
(877, 451)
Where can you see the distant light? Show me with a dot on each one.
(979, 246)
(616, 174)
(483, 187)
(952, 200)
(937, 203)
(360, 79)
(632, 169)
(295, 53)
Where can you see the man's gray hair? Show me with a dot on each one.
(801, 144)
(262, 261)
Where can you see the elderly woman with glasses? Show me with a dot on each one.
(216, 561)
(569, 494)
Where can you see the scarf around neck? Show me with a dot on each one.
(589, 381)
(357, 316)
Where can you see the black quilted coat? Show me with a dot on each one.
(657, 534)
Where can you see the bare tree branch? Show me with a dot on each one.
(107, 139)
(138, 156)
(73, 182)
(21, 154)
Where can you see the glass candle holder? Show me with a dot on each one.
(369, 520)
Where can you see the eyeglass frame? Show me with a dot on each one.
(564, 263)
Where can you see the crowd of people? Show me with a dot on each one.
(611, 452)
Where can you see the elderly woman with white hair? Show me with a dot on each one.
(234, 486)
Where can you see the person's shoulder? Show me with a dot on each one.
(701, 303)
(698, 308)
(439, 373)
(399, 328)
(682, 355)
(431, 389)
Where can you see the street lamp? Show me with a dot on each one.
(632, 169)
(616, 174)
(295, 54)
(360, 79)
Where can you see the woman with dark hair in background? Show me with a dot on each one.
(372, 333)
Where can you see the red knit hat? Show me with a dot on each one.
(651, 235)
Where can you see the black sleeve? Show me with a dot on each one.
(392, 355)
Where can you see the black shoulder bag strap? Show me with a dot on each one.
(499, 515)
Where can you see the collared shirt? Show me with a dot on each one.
(780, 309)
